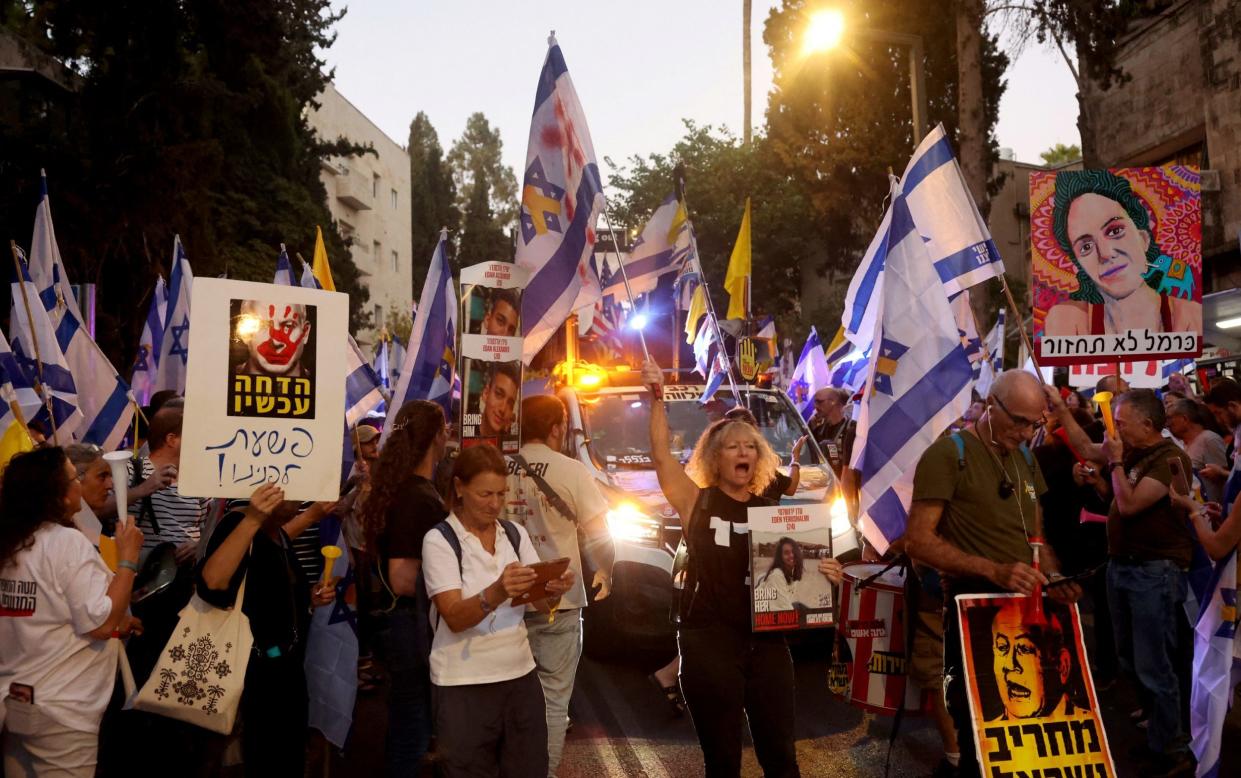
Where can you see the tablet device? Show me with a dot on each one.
(546, 571)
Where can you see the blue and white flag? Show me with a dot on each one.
(174, 348)
(851, 371)
(919, 381)
(381, 364)
(332, 646)
(714, 380)
(862, 297)
(284, 269)
(1173, 366)
(395, 361)
(38, 353)
(308, 277)
(142, 378)
(987, 370)
(767, 329)
(561, 199)
(810, 375)
(14, 377)
(428, 370)
(967, 328)
(1217, 667)
(703, 342)
(106, 403)
(957, 238)
(662, 248)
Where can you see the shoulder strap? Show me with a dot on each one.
(959, 442)
(514, 536)
(553, 499)
(1025, 452)
(454, 542)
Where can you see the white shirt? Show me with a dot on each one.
(51, 595)
(555, 536)
(496, 648)
(180, 518)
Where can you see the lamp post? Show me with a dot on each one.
(826, 30)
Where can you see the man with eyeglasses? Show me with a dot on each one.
(975, 509)
(1149, 549)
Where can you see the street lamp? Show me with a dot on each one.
(826, 29)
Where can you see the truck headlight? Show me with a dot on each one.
(627, 521)
(840, 516)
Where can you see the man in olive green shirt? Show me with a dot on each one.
(972, 518)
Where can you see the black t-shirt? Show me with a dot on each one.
(411, 515)
(836, 441)
(719, 592)
(277, 601)
(778, 486)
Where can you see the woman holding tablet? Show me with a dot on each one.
(489, 710)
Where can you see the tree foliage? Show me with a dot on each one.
(190, 118)
(1060, 154)
(432, 195)
(476, 159)
(483, 239)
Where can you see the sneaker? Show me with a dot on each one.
(945, 769)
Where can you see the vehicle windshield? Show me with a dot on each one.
(617, 425)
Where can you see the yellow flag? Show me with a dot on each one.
(737, 279)
(837, 341)
(16, 439)
(320, 267)
(697, 307)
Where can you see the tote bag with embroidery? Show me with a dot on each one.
(200, 675)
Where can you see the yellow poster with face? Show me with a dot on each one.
(1032, 699)
(1116, 272)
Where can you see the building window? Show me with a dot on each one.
(375, 186)
(379, 316)
(376, 251)
(396, 262)
(394, 199)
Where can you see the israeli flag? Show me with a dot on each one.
(308, 277)
(381, 364)
(919, 380)
(957, 239)
(142, 378)
(174, 348)
(561, 199)
(967, 328)
(714, 380)
(810, 375)
(428, 370)
(862, 297)
(284, 269)
(662, 248)
(331, 662)
(47, 270)
(1173, 366)
(767, 329)
(38, 353)
(702, 344)
(12, 375)
(987, 370)
(1217, 669)
(851, 371)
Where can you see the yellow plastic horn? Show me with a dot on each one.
(1104, 401)
(330, 555)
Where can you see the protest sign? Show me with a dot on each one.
(1032, 699)
(787, 590)
(491, 368)
(265, 390)
(1116, 264)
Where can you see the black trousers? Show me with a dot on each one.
(728, 676)
(274, 713)
(955, 694)
(492, 729)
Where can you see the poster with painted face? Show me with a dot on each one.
(266, 370)
(1117, 264)
(491, 348)
(1032, 699)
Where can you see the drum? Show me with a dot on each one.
(873, 625)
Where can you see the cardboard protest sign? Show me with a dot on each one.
(1117, 264)
(265, 390)
(1032, 699)
(491, 367)
(787, 590)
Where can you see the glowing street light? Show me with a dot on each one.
(824, 32)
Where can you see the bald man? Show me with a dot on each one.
(831, 428)
(974, 511)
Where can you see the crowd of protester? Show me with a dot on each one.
(444, 544)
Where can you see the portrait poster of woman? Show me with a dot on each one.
(1116, 264)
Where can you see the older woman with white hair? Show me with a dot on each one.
(728, 673)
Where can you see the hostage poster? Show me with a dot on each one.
(265, 390)
(491, 348)
(1116, 270)
(1032, 699)
(786, 544)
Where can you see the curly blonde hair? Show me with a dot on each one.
(704, 467)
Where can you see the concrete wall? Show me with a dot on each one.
(361, 198)
(1183, 102)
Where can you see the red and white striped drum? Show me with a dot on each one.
(873, 624)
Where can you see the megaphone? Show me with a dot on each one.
(120, 483)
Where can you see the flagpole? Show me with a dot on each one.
(34, 337)
(607, 218)
(715, 320)
(1021, 330)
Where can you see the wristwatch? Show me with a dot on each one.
(125, 563)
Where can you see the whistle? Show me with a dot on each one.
(1104, 401)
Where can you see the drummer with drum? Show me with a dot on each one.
(974, 517)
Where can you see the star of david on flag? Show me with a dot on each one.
(174, 350)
